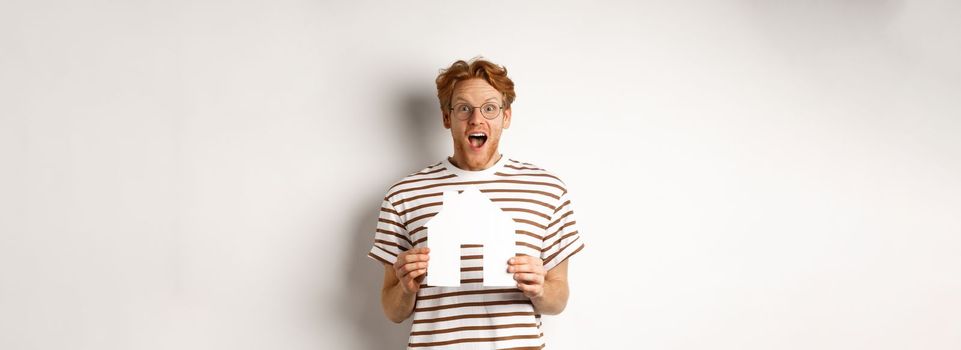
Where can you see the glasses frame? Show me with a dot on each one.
(499, 109)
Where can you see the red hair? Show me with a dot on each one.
(479, 68)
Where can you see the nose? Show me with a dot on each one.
(476, 118)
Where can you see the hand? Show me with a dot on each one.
(529, 273)
(410, 268)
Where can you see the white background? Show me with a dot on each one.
(747, 174)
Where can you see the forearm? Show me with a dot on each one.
(554, 299)
(397, 304)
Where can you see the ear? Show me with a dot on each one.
(507, 118)
(446, 118)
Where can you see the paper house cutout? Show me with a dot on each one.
(469, 218)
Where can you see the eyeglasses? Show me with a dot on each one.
(489, 110)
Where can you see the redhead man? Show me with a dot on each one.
(475, 99)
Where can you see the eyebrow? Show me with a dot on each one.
(462, 99)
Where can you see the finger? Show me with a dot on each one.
(527, 289)
(416, 257)
(414, 284)
(525, 259)
(416, 273)
(524, 268)
(517, 260)
(422, 250)
(407, 268)
(529, 278)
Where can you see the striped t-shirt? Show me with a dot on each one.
(473, 316)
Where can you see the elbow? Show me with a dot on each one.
(391, 310)
(559, 310)
(394, 317)
(556, 310)
(551, 307)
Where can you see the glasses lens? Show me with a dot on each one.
(462, 111)
(489, 110)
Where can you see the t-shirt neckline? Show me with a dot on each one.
(472, 174)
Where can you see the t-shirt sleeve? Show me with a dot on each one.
(391, 237)
(562, 240)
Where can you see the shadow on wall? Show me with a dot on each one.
(359, 299)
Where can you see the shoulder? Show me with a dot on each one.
(526, 170)
(431, 173)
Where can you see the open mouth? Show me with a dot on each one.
(477, 139)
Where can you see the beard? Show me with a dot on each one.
(477, 158)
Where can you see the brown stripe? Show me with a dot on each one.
(468, 292)
(475, 328)
(525, 244)
(425, 172)
(558, 241)
(402, 248)
(392, 222)
(422, 206)
(395, 204)
(388, 210)
(430, 167)
(559, 219)
(522, 167)
(529, 234)
(473, 340)
(431, 204)
(520, 162)
(522, 210)
(559, 229)
(469, 269)
(385, 250)
(484, 315)
(419, 241)
(421, 179)
(462, 281)
(421, 217)
(489, 190)
(548, 206)
(471, 245)
(412, 233)
(523, 232)
(569, 255)
(542, 227)
(379, 258)
(396, 235)
(477, 183)
(528, 174)
(549, 258)
(521, 191)
(562, 206)
(472, 304)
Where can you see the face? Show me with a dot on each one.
(476, 139)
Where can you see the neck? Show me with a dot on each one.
(461, 162)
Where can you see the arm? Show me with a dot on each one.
(548, 290)
(401, 283)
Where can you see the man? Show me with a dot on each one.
(475, 99)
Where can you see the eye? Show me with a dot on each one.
(462, 108)
(490, 107)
